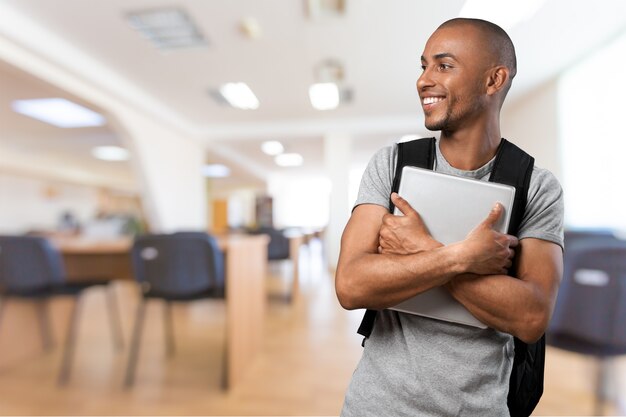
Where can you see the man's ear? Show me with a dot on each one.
(498, 79)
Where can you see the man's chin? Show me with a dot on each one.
(434, 127)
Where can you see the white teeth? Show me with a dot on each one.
(431, 100)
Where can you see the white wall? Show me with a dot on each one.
(591, 109)
(532, 123)
(37, 204)
(299, 200)
(242, 207)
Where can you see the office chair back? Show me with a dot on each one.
(278, 246)
(29, 263)
(31, 267)
(590, 311)
(180, 264)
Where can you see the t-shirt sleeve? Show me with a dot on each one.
(543, 218)
(377, 179)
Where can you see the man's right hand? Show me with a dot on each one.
(486, 251)
(405, 234)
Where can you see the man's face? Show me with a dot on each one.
(453, 82)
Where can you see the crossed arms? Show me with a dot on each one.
(386, 259)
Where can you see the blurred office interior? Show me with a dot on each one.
(164, 146)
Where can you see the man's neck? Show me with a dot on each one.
(469, 150)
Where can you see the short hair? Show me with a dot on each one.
(501, 44)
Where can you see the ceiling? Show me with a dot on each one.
(378, 43)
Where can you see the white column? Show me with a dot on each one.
(166, 159)
(337, 159)
(168, 166)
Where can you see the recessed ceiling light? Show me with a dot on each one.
(272, 147)
(169, 28)
(239, 95)
(289, 160)
(324, 96)
(58, 112)
(215, 171)
(250, 27)
(110, 153)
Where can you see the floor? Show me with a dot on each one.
(309, 353)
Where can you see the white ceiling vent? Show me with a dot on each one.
(169, 28)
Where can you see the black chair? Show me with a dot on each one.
(31, 268)
(278, 250)
(184, 266)
(278, 246)
(590, 312)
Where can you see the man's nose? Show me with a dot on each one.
(424, 80)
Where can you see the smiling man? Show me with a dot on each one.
(417, 366)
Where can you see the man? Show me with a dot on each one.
(417, 366)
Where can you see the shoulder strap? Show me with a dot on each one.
(514, 167)
(419, 153)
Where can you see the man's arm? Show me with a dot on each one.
(370, 277)
(521, 307)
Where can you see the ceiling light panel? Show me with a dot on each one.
(239, 95)
(110, 153)
(289, 160)
(272, 147)
(167, 28)
(215, 171)
(507, 13)
(324, 96)
(58, 112)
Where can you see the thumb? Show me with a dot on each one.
(493, 216)
(403, 205)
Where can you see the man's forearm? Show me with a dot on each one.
(504, 303)
(380, 281)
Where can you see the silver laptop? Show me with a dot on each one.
(450, 207)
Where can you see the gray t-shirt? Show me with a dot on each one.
(416, 366)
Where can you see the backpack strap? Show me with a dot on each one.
(419, 153)
(514, 167)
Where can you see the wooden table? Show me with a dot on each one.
(95, 258)
(295, 242)
(246, 270)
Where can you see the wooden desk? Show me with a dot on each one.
(246, 270)
(102, 259)
(295, 242)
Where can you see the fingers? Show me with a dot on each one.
(402, 205)
(493, 216)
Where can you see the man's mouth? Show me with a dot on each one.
(427, 101)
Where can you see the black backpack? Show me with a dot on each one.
(513, 167)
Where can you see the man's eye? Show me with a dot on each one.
(444, 66)
(423, 67)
